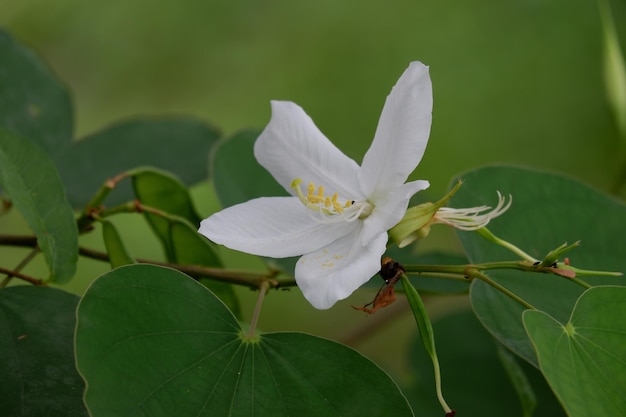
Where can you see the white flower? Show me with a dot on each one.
(339, 213)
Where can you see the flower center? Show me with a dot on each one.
(329, 208)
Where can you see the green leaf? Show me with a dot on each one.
(33, 103)
(473, 377)
(177, 145)
(547, 211)
(190, 248)
(165, 192)
(118, 254)
(37, 367)
(237, 175)
(29, 177)
(519, 380)
(584, 360)
(152, 342)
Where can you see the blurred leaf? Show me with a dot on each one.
(584, 360)
(118, 254)
(237, 175)
(614, 69)
(181, 352)
(547, 210)
(177, 145)
(29, 177)
(191, 248)
(36, 346)
(33, 103)
(473, 378)
(518, 379)
(165, 192)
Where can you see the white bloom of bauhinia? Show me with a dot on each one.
(338, 214)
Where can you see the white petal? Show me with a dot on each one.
(291, 147)
(402, 133)
(390, 210)
(337, 270)
(277, 227)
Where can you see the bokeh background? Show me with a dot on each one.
(515, 81)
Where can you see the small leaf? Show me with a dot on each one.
(165, 192)
(30, 178)
(176, 145)
(584, 360)
(118, 254)
(426, 334)
(33, 103)
(37, 367)
(151, 341)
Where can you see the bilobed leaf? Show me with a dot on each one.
(118, 254)
(547, 211)
(33, 102)
(177, 145)
(30, 179)
(37, 367)
(584, 360)
(181, 352)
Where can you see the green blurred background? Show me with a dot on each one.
(515, 81)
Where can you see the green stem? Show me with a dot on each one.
(475, 273)
(485, 233)
(16, 272)
(257, 308)
(94, 205)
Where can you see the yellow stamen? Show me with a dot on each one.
(317, 201)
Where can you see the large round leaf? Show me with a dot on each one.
(150, 341)
(29, 177)
(33, 103)
(178, 145)
(584, 360)
(37, 367)
(547, 210)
